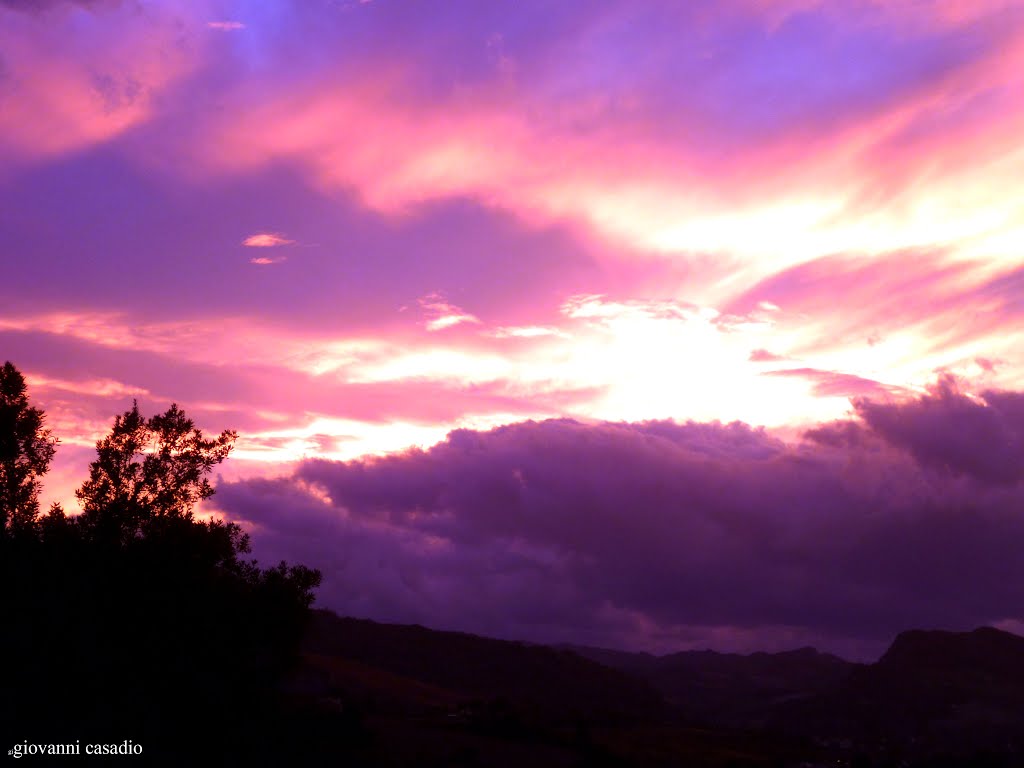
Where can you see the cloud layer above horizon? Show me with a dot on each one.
(662, 536)
(345, 228)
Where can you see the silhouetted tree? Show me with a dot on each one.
(26, 449)
(136, 617)
(148, 469)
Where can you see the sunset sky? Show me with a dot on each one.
(723, 300)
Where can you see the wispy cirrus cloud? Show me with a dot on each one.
(835, 383)
(905, 166)
(624, 178)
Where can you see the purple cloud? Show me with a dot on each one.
(979, 437)
(658, 534)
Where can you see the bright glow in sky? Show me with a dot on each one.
(346, 228)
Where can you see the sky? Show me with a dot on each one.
(654, 326)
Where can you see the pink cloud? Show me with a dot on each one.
(834, 383)
(266, 240)
(441, 314)
(373, 133)
(74, 90)
(764, 356)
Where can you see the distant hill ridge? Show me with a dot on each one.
(730, 688)
(956, 691)
(546, 679)
(932, 692)
(985, 646)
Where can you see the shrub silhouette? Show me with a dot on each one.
(136, 620)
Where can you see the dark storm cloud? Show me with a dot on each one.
(979, 437)
(617, 532)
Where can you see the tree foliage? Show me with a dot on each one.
(148, 469)
(26, 449)
(136, 618)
